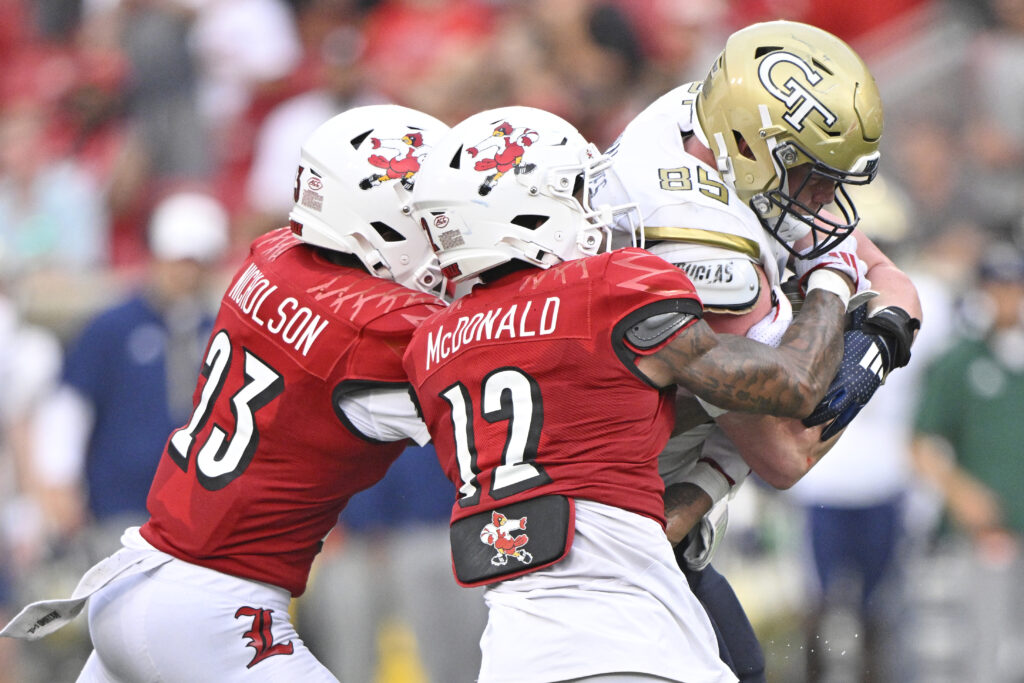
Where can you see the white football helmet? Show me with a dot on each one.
(352, 191)
(783, 94)
(512, 183)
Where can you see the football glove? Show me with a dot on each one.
(700, 544)
(843, 258)
(873, 345)
(896, 329)
(720, 469)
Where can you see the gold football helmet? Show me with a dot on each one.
(783, 94)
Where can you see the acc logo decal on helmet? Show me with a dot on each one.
(311, 197)
(499, 535)
(509, 145)
(791, 92)
(401, 164)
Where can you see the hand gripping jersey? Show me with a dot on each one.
(529, 388)
(256, 479)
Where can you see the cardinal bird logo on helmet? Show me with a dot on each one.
(399, 159)
(502, 151)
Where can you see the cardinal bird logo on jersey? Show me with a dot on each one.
(399, 159)
(499, 535)
(260, 637)
(503, 152)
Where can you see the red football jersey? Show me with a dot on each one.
(529, 386)
(256, 479)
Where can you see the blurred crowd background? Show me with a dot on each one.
(144, 143)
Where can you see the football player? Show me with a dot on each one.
(738, 178)
(301, 402)
(549, 391)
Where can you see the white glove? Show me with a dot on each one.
(843, 259)
(703, 539)
(720, 470)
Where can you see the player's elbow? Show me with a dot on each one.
(782, 479)
(784, 469)
(783, 461)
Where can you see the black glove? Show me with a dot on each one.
(896, 328)
(872, 347)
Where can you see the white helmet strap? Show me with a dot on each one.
(724, 163)
(770, 141)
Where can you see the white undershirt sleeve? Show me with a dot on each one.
(385, 415)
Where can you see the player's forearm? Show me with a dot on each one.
(788, 381)
(779, 450)
(685, 504)
(894, 287)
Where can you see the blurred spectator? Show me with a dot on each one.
(679, 39)
(855, 503)
(91, 126)
(51, 211)
(249, 58)
(847, 20)
(400, 610)
(128, 379)
(967, 443)
(29, 366)
(414, 46)
(334, 47)
(162, 86)
(995, 129)
(926, 162)
(581, 59)
(241, 47)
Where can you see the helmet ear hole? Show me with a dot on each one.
(742, 146)
(529, 221)
(386, 232)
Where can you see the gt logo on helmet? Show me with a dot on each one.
(798, 100)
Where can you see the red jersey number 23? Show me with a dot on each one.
(220, 457)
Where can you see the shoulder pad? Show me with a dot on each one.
(729, 284)
(726, 284)
(653, 331)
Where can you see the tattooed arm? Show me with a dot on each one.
(736, 373)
